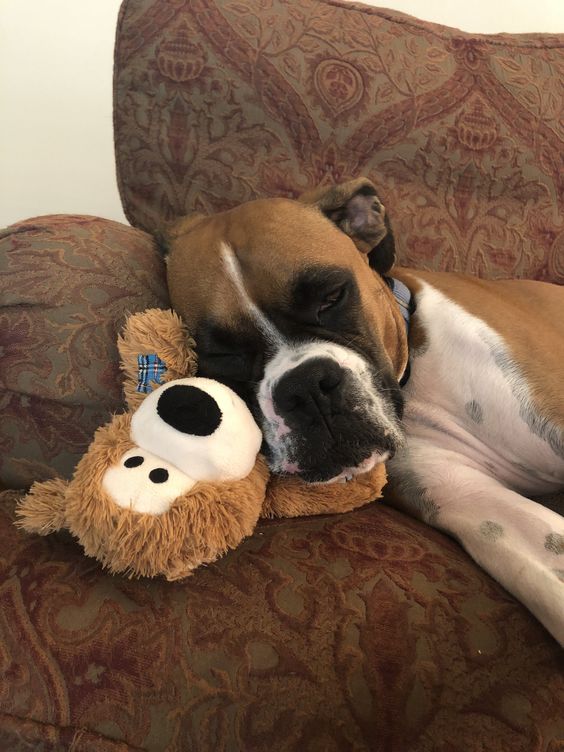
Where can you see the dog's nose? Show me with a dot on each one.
(311, 389)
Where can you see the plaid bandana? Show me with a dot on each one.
(151, 368)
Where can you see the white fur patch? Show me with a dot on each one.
(233, 268)
(475, 448)
(465, 394)
(369, 401)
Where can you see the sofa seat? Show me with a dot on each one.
(364, 631)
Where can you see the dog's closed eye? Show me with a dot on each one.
(320, 294)
(332, 299)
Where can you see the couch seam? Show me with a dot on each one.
(442, 31)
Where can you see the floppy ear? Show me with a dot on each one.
(355, 208)
(154, 348)
(42, 511)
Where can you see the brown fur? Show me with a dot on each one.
(271, 230)
(44, 510)
(200, 525)
(291, 497)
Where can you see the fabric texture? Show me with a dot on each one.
(366, 631)
(151, 371)
(222, 101)
(66, 286)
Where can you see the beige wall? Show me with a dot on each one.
(56, 148)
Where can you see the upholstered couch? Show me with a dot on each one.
(365, 631)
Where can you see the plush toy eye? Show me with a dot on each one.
(157, 475)
(133, 461)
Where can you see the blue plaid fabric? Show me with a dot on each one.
(150, 368)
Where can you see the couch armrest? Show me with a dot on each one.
(66, 284)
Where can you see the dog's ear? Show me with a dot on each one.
(182, 225)
(355, 208)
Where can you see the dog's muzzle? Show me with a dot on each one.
(312, 391)
(326, 417)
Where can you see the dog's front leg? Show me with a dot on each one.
(516, 540)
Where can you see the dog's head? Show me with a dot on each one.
(289, 308)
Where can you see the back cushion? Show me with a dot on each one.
(218, 102)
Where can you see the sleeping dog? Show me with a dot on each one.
(456, 382)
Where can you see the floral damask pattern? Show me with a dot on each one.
(338, 86)
(66, 284)
(221, 101)
(365, 632)
(284, 644)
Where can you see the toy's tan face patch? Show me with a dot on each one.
(142, 482)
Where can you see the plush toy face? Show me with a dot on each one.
(186, 431)
(135, 510)
(178, 482)
(144, 483)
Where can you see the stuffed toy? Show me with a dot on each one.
(178, 479)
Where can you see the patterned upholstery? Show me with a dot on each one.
(221, 101)
(66, 285)
(364, 632)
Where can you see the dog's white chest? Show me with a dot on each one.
(467, 395)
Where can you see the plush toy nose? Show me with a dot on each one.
(311, 390)
(190, 410)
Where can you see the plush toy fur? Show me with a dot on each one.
(200, 524)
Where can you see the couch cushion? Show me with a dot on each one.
(66, 285)
(218, 102)
(365, 631)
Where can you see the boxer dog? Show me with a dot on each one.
(291, 305)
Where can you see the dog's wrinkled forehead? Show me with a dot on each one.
(270, 242)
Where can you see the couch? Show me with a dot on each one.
(363, 631)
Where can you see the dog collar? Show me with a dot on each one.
(403, 296)
(404, 299)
